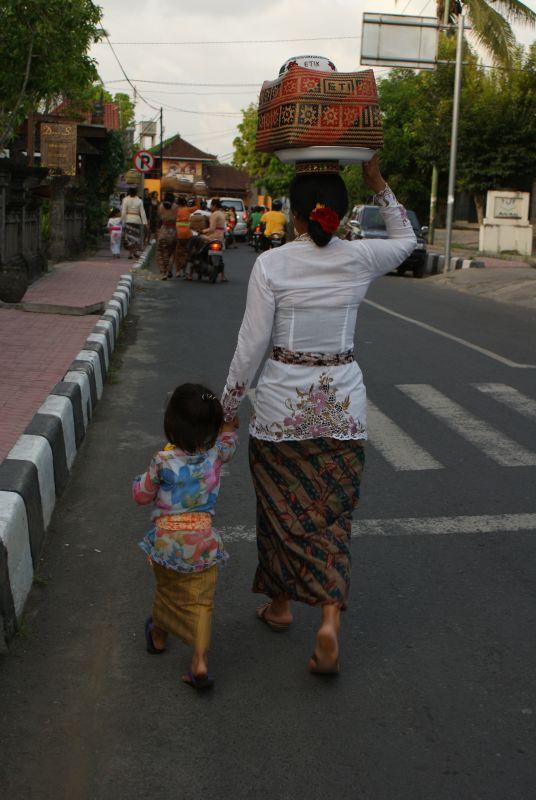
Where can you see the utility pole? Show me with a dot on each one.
(435, 171)
(161, 145)
(454, 139)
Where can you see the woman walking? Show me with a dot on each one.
(134, 222)
(184, 234)
(166, 237)
(309, 426)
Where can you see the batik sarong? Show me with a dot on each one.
(306, 493)
(133, 236)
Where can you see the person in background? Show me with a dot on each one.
(275, 222)
(166, 236)
(216, 229)
(134, 222)
(254, 219)
(230, 218)
(153, 217)
(147, 202)
(184, 234)
(115, 229)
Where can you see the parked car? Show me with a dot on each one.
(241, 227)
(366, 222)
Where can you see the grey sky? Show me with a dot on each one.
(208, 20)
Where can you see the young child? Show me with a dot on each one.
(185, 551)
(115, 229)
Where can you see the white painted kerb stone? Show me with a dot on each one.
(16, 539)
(37, 450)
(61, 407)
(93, 357)
(100, 338)
(83, 381)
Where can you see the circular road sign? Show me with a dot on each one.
(143, 161)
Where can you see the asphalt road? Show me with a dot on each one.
(436, 700)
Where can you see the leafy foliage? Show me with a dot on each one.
(497, 136)
(490, 21)
(264, 168)
(44, 55)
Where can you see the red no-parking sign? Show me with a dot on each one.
(143, 161)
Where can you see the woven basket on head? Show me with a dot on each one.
(306, 108)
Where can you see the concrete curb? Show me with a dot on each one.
(145, 257)
(36, 470)
(435, 263)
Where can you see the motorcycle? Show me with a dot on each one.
(256, 238)
(276, 240)
(208, 263)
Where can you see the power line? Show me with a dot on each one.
(245, 41)
(136, 93)
(184, 83)
(200, 94)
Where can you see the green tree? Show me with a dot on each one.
(264, 168)
(498, 130)
(44, 56)
(497, 136)
(491, 21)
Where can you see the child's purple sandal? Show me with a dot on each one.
(154, 651)
(200, 684)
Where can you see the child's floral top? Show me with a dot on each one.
(180, 483)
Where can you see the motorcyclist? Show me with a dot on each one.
(275, 221)
(254, 219)
(214, 232)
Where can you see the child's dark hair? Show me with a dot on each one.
(308, 190)
(193, 418)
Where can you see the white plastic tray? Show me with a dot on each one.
(345, 155)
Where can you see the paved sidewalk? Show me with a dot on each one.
(36, 349)
(465, 245)
(505, 285)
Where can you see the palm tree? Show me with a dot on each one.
(491, 21)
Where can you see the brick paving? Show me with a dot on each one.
(78, 284)
(37, 349)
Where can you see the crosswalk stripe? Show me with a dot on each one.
(509, 397)
(416, 526)
(497, 446)
(395, 445)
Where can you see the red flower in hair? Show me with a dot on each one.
(328, 219)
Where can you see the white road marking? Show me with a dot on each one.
(482, 350)
(395, 445)
(495, 444)
(417, 526)
(510, 397)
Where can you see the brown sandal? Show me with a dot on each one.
(278, 627)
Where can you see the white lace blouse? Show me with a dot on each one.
(305, 299)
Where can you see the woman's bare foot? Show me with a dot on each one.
(276, 614)
(325, 659)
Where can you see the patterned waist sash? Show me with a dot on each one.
(193, 521)
(297, 357)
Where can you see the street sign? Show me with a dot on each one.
(143, 161)
(395, 40)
